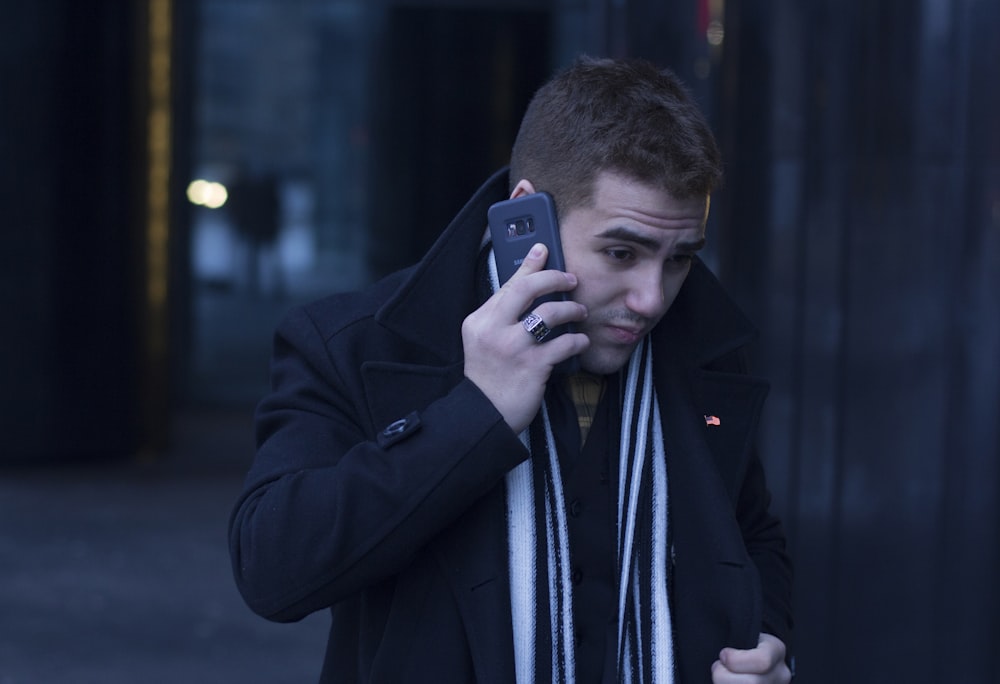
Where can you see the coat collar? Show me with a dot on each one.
(703, 323)
(440, 291)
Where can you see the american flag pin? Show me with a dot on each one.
(712, 420)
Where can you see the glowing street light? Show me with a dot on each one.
(207, 193)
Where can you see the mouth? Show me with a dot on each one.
(623, 334)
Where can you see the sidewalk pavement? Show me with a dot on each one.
(118, 572)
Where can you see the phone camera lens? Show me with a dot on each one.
(520, 226)
(531, 224)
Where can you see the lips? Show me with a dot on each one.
(625, 335)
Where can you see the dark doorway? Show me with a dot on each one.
(448, 92)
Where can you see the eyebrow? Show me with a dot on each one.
(622, 233)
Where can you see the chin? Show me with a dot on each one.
(604, 361)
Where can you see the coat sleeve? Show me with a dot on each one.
(329, 507)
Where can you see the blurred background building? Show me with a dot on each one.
(177, 173)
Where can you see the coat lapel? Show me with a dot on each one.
(473, 555)
(709, 421)
(716, 589)
(727, 409)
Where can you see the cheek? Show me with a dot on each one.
(573, 256)
(583, 293)
(597, 288)
(591, 279)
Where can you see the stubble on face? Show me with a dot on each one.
(601, 359)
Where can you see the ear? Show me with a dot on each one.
(523, 187)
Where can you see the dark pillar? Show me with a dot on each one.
(863, 235)
(67, 287)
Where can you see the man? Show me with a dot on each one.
(466, 513)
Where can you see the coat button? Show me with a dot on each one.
(575, 507)
(398, 430)
(395, 428)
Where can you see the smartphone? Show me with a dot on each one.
(515, 226)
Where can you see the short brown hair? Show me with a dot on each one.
(624, 116)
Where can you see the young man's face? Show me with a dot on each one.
(630, 251)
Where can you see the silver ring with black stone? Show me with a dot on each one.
(535, 326)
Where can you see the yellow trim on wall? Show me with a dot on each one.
(158, 147)
(156, 239)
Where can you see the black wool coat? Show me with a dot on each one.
(377, 487)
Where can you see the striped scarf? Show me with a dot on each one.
(539, 553)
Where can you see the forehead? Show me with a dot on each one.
(620, 198)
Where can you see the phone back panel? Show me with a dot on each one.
(517, 224)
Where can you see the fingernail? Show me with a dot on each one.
(571, 279)
(536, 251)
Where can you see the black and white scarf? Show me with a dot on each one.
(539, 553)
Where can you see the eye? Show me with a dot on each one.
(619, 254)
(680, 260)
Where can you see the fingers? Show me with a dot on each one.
(530, 282)
(534, 261)
(721, 675)
(512, 369)
(505, 346)
(764, 664)
(556, 313)
(769, 652)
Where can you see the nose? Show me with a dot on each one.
(646, 296)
